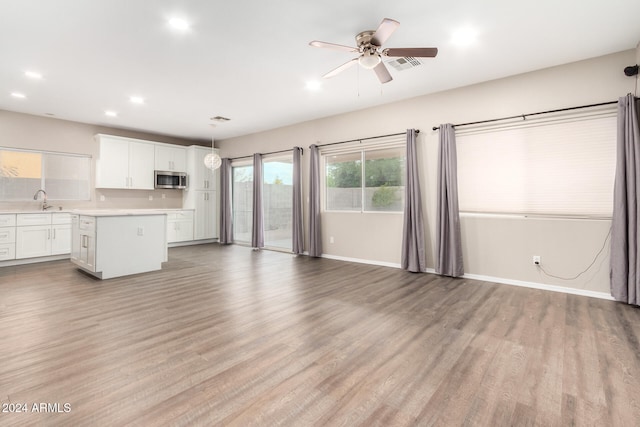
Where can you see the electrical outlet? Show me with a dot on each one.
(331, 239)
(536, 260)
(140, 231)
(164, 196)
(150, 197)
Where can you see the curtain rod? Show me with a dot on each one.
(365, 139)
(266, 154)
(524, 116)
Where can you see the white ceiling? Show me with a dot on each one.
(249, 60)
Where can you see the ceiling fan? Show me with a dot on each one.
(369, 47)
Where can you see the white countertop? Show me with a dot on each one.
(100, 212)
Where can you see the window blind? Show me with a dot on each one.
(555, 166)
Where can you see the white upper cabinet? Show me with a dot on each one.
(125, 163)
(170, 158)
(200, 176)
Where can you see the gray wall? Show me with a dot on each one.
(494, 246)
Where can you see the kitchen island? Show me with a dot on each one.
(114, 243)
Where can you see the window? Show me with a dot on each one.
(367, 180)
(242, 199)
(62, 176)
(549, 167)
(277, 198)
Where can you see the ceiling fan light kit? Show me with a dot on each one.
(369, 45)
(369, 60)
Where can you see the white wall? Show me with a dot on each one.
(49, 134)
(499, 247)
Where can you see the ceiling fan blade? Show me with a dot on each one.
(416, 52)
(384, 31)
(382, 73)
(341, 68)
(333, 46)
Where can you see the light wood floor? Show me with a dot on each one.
(228, 336)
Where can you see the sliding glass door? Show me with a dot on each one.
(242, 196)
(277, 197)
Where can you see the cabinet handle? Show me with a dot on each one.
(48, 234)
(54, 234)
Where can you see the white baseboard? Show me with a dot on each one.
(361, 261)
(543, 286)
(521, 283)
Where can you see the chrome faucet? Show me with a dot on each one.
(45, 206)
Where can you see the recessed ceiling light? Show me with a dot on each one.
(33, 75)
(136, 99)
(464, 36)
(18, 95)
(313, 85)
(111, 113)
(179, 24)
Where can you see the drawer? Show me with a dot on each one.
(180, 216)
(7, 235)
(33, 219)
(61, 218)
(87, 224)
(7, 220)
(7, 251)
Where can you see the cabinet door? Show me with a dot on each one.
(204, 224)
(87, 255)
(75, 237)
(170, 158)
(33, 241)
(201, 177)
(179, 159)
(172, 231)
(185, 230)
(141, 166)
(60, 239)
(112, 169)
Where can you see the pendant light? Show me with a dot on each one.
(212, 160)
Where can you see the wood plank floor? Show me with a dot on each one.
(229, 336)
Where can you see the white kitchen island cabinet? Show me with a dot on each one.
(111, 244)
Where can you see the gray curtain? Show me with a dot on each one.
(257, 229)
(226, 224)
(413, 253)
(625, 259)
(297, 246)
(315, 232)
(448, 242)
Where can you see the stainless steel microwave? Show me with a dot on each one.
(168, 179)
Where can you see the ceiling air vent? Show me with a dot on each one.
(405, 63)
(220, 119)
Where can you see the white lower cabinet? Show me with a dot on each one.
(205, 218)
(7, 243)
(83, 248)
(33, 241)
(179, 226)
(113, 245)
(42, 234)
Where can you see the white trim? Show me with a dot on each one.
(24, 261)
(361, 261)
(500, 280)
(534, 285)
